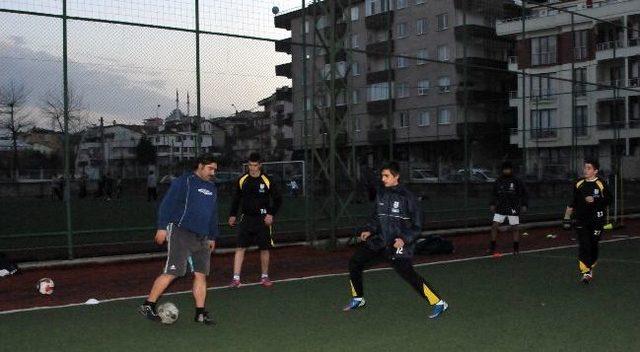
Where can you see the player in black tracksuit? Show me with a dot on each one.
(591, 197)
(261, 200)
(508, 200)
(389, 235)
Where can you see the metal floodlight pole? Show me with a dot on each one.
(465, 77)
(198, 88)
(67, 151)
(305, 126)
(524, 87)
(574, 137)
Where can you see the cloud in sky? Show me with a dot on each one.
(124, 72)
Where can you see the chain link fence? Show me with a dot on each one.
(99, 96)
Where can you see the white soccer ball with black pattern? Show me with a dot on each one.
(168, 313)
(45, 286)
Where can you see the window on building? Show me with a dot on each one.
(355, 13)
(401, 4)
(444, 116)
(423, 87)
(421, 26)
(443, 53)
(581, 79)
(355, 96)
(444, 83)
(355, 42)
(582, 121)
(404, 119)
(424, 118)
(378, 91)
(543, 123)
(580, 40)
(542, 86)
(355, 68)
(543, 50)
(422, 55)
(402, 90)
(401, 30)
(443, 21)
(402, 61)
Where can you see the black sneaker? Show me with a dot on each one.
(147, 311)
(204, 318)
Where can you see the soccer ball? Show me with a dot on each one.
(275, 10)
(45, 286)
(168, 313)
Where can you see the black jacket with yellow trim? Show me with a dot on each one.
(397, 214)
(590, 212)
(257, 196)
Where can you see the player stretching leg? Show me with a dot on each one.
(390, 235)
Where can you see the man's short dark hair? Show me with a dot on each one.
(593, 161)
(255, 158)
(392, 166)
(507, 165)
(204, 159)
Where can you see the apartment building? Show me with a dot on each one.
(399, 66)
(595, 44)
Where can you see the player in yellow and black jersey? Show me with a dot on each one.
(256, 202)
(589, 203)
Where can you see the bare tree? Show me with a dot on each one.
(54, 109)
(12, 100)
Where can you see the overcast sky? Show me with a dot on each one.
(123, 73)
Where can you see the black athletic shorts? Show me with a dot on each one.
(253, 231)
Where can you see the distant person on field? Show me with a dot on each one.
(152, 187)
(509, 200)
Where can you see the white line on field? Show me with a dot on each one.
(312, 277)
(600, 260)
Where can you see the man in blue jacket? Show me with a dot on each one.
(390, 234)
(188, 222)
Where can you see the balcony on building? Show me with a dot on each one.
(381, 136)
(382, 48)
(379, 21)
(482, 62)
(610, 113)
(341, 55)
(481, 96)
(478, 130)
(381, 76)
(610, 39)
(284, 70)
(381, 107)
(544, 58)
(476, 31)
(633, 32)
(634, 112)
(543, 133)
(340, 31)
(283, 46)
(611, 74)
